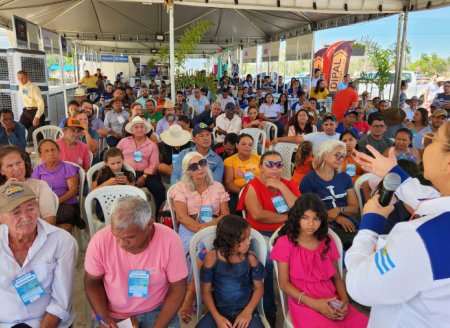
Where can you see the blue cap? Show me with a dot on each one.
(199, 128)
(351, 111)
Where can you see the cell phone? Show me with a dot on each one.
(119, 174)
(336, 304)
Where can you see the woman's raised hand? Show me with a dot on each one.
(379, 164)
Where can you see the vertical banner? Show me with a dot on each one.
(318, 58)
(21, 33)
(336, 62)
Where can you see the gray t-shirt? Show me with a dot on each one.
(318, 138)
(380, 145)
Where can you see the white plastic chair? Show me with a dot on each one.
(172, 208)
(48, 132)
(107, 197)
(358, 183)
(257, 135)
(97, 167)
(268, 127)
(207, 236)
(286, 150)
(283, 296)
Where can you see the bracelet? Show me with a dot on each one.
(300, 297)
(342, 209)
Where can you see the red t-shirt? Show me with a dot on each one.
(342, 102)
(362, 127)
(265, 199)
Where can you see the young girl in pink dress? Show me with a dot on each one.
(308, 272)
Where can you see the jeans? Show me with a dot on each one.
(270, 307)
(112, 141)
(208, 321)
(155, 186)
(148, 319)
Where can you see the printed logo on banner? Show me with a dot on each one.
(338, 71)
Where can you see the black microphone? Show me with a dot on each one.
(390, 183)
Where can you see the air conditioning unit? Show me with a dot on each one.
(31, 61)
(4, 72)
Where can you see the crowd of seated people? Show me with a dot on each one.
(195, 146)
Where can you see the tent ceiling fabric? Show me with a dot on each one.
(133, 24)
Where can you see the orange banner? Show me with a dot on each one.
(336, 62)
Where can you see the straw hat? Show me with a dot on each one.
(168, 104)
(393, 116)
(80, 92)
(137, 120)
(408, 101)
(175, 136)
(441, 79)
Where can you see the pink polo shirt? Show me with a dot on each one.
(164, 258)
(78, 153)
(150, 155)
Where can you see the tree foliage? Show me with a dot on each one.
(431, 64)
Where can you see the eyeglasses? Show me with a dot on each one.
(378, 126)
(195, 166)
(339, 156)
(271, 164)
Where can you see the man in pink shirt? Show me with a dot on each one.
(72, 149)
(136, 269)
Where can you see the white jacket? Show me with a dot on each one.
(405, 277)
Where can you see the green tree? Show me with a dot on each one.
(382, 61)
(431, 64)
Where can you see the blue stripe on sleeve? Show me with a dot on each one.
(374, 222)
(383, 262)
(398, 170)
(377, 263)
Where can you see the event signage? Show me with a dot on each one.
(336, 61)
(114, 59)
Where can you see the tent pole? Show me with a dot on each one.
(172, 52)
(396, 98)
(312, 64)
(397, 56)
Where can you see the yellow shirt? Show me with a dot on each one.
(243, 168)
(31, 97)
(319, 95)
(89, 82)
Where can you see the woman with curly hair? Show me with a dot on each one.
(308, 271)
(235, 275)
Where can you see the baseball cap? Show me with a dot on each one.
(351, 111)
(230, 106)
(199, 128)
(13, 194)
(329, 116)
(73, 122)
(439, 112)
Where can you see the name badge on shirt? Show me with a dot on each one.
(280, 204)
(28, 288)
(206, 214)
(137, 156)
(25, 92)
(249, 176)
(174, 157)
(120, 119)
(350, 169)
(138, 281)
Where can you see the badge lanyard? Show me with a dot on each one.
(205, 211)
(247, 175)
(137, 154)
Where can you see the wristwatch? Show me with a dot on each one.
(342, 210)
(145, 176)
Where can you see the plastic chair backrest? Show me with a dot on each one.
(286, 150)
(48, 132)
(268, 127)
(107, 197)
(256, 134)
(81, 180)
(358, 183)
(207, 236)
(97, 167)
(172, 208)
(283, 296)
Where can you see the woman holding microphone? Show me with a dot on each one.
(405, 277)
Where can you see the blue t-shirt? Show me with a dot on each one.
(340, 128)
(333, 193)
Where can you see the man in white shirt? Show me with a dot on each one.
(433, 88)
(38, 264)
(316, 77)
(225, 99)
(228, 122)
(197, 102)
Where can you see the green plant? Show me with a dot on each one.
(198, 79)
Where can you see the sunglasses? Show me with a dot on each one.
(339, 156)
(271, 164)
(195, 166)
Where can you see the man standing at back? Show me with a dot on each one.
(344, 100)
(33, 104)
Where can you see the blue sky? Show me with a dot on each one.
(428, 32)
